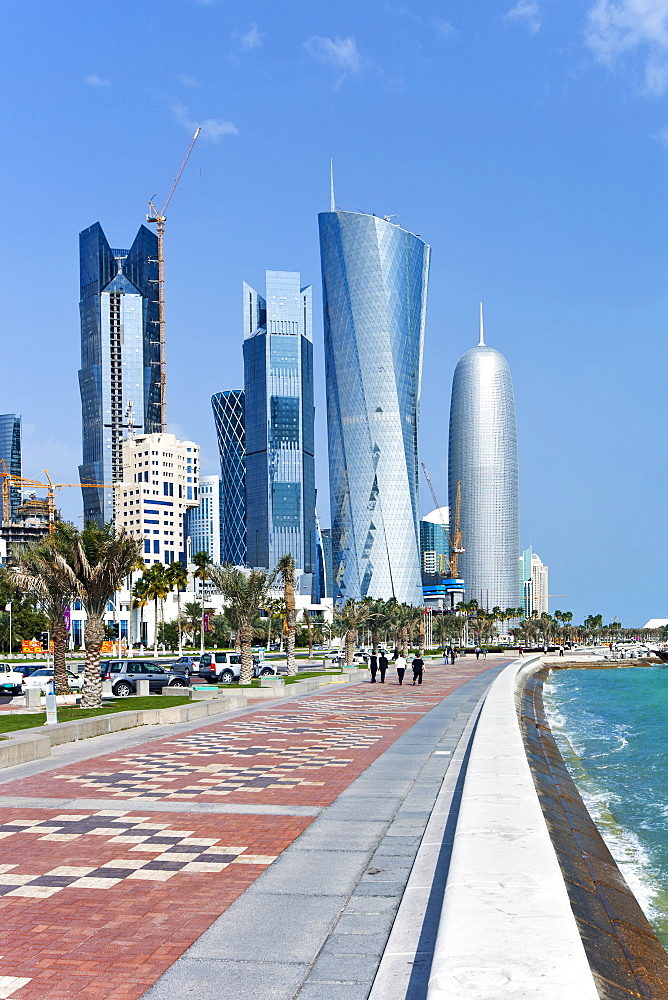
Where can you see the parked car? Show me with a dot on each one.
(124, 675)
(224, 668)
(43, 679)
(26, 668)
(185, 664)
(10, 679)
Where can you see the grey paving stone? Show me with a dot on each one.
(380, 888)
(296, 927)
(365, 923)
(192, 979)
(355, 944)
(363, 903)
(342, 835)
(313, 873)
(351, 969)
(334, 991)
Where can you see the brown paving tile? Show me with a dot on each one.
(113, 940)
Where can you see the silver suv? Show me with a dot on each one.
(225, 668)
(124, 675)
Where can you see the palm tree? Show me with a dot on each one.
(157, 588)
(245, 594)
(204, 563)
(39, 572)
(177, 577)
(378, 618)
(351, 617)
(139, 600)
(192, 616)
(286, 567)
(96, 560)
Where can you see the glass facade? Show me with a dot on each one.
(279, 423)
(203, 523)
(375, 291)
(228, 415)
(483, 457)
(434, 553)
(120, 356)
(10, 452)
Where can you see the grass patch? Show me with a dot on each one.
(293, 679)
(9, 723)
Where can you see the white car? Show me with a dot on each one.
(10, 680)
(43, 679)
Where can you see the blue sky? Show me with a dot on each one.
(527, 142)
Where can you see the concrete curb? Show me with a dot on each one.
(506, 925)
(25, 745)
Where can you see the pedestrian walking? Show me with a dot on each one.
(448, 653)
(561, 651)
(383, 664)
(478, 651)
(520, 651)
(373, 667)
(395, 654)
(484, 652)
(400, 664)
(452, 655)
(418, 668)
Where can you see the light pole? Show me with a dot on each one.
(8, 607)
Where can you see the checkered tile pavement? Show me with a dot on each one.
(101, 903)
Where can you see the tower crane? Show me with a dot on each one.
(454, 538)
(9, 480)
(159, 218)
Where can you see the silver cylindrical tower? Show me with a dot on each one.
(483, 456)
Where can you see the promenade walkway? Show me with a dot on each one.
(262, 856)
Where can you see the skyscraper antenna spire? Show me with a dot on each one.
(481, 342)
(332, 203)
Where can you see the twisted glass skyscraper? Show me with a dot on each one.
(228, 415)
(374, 277)
(120, 357)
(483, 457)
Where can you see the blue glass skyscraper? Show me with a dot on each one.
(10, 451)
(279, 420)
(374, 277)
(228, 415)
(120, 357)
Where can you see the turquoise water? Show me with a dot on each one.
(612, 729)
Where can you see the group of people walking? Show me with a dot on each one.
(379, 664)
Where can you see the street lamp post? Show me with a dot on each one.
(8, 607)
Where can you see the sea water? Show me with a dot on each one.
(612, 730)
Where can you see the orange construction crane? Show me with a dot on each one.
(454, 538)
(160, 218)
(8, 480)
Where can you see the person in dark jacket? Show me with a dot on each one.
(383, 664)
(418, 666)
(373, 667)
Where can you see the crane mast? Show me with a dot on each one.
(159, 218)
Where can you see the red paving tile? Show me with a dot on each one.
(101, 903)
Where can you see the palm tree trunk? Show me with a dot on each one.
(350, 647)
(421, 637)
(59, 636)
(201, 625)
(245, 638)
(178, 620)
(92, 686)
(374, 641)
(130, 629)
(310, 635)
(155, 626)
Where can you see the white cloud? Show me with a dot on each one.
(187, 81)
(616, 28)
(247, 40)
(662, 135)
(444, 28)
(212, 128)
(526, 11)
(341, 53)
(97, 81)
